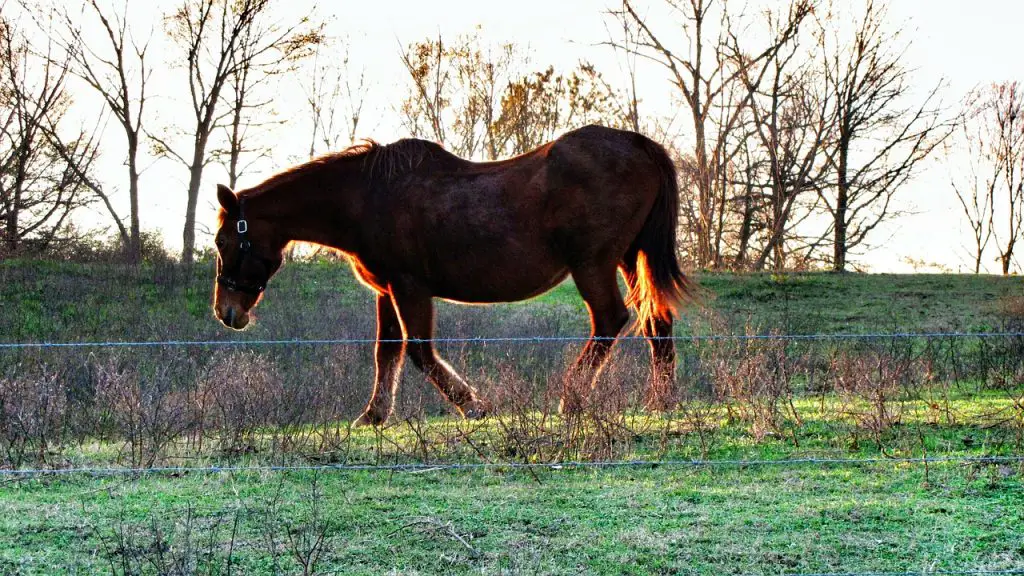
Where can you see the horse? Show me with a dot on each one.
(418, 223)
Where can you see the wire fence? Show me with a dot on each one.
(513, 339)
(169, 400)
(915, 573)
(161, 400)
(504, 466)
(923, 572)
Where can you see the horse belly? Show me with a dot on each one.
(497, 280)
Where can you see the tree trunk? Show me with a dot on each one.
(13, 213)
(704, 200)
(195, 179)
(236, 149)
(11, 234)
(135, 240)
(842, 204)
(1006, 258)
(746, 226)
(839, 244)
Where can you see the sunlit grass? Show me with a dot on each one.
(639, 520)
(826, 426)
(54, 301)
(760, 520)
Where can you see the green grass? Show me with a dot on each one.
(626, 521)
(831, 303)
(68, 301)
(647, 520)
(643, 520)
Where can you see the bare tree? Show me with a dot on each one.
(456, 92)
(336, 97)
(992, 194)
(537, 107)
(976, 188)
(41, 171)
(467, 96)
(1006, 111)
(219, 38)
(708, 81)
(266, 52)
(118, 72)
(423, 110)
(787, 120)
(624, 38)
(877, 140)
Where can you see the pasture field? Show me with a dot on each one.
(53, 301)
(728, 519)
(883, 399)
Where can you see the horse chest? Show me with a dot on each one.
(367, 277)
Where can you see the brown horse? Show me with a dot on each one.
(419, 223)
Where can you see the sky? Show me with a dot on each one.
(966, 43)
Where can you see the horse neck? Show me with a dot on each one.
(307, 209)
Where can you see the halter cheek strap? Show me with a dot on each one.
(243, 227)
(244, 246)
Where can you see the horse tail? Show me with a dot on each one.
(659, 286)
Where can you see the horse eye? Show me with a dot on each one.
(219, 242)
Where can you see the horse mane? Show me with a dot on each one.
(381, 163)
(390, 161)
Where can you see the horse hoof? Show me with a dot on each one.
(369, 419)
(660, 405)
(570, 407)
(660, 401)
(476, 409)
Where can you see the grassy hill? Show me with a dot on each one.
(55, 301)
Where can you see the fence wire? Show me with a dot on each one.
(15, 475)
(569, 465)
(916, 573)
(443, 466)
(510, 339)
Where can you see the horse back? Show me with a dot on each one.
(506, 230)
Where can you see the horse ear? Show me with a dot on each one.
(227, 198)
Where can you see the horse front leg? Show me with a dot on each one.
(388, 355)
(416, 311)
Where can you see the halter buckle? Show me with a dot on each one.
(243, 226)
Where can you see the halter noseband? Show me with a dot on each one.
(244, 247)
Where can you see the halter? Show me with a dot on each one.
(244, 246)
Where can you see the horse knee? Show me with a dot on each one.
(390, 349)
(422, 356)
(613, 323)
(621, 319)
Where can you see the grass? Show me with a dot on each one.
(68, 301)
(976, 424)
(642, 520)
(855, 303)
(625, 521)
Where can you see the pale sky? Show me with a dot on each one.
(967, 42)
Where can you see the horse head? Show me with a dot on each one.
(249, 252)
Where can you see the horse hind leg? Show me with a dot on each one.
(661, 394)
(608, 315)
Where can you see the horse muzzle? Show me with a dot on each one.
(232, 318)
